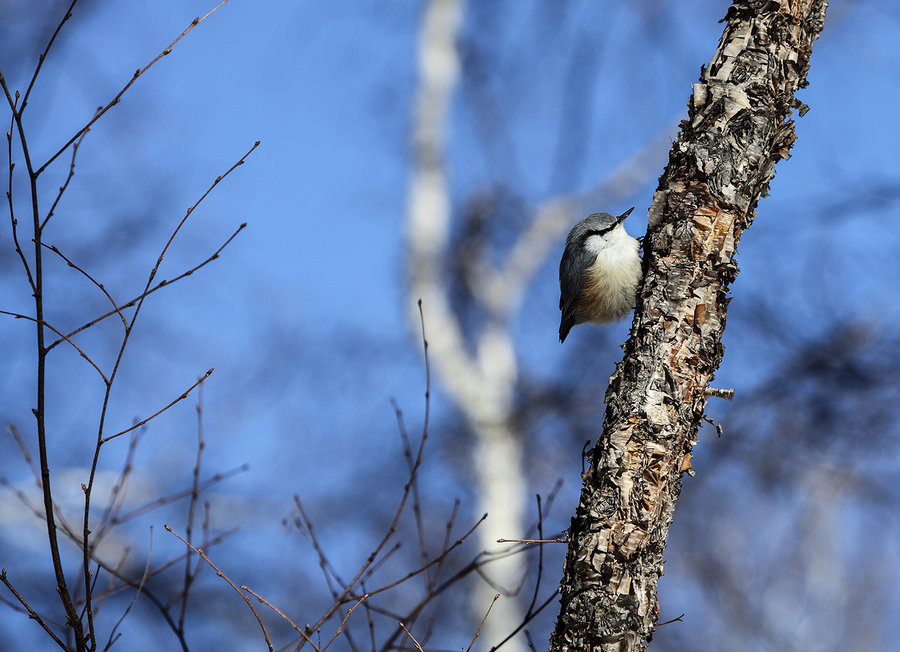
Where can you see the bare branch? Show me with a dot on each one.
(112, 634)
(283, 615)
(102, 110)
(170, 498)
(117, 495)
(9, 190)
(417, 511)
(62, 188)
(195, 495)
(348, 587)
(183, 396)
(26, 454)
(411, 637)
(63, 338)
(343, 622)
(31, 612)
(230, 583)
(97, 283)
(161, 284)
(434, 562)
(727, 394)
(43, 56)
(481, 624)
(190, 210)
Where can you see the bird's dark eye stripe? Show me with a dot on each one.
(596, 232)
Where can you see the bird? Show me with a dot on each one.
(599, 272)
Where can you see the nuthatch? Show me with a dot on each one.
(599, 272)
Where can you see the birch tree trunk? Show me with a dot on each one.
(738, 127)
(481, 382)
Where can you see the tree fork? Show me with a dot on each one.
(738, 127)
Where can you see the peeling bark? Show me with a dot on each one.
(738, 127)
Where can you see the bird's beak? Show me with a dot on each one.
(622, 217)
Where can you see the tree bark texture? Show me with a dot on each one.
(738, 127)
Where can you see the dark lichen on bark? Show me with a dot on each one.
(738, 127)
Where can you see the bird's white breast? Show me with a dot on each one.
(612, 280)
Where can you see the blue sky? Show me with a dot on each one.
(304, 315)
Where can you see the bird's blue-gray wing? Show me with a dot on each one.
(574, 262)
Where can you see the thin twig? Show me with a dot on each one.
(190, 210)
(417, 610)
(159, 570)
(62, 188)
(119, 95)
(93, 578)
(556, 540)
(206, 541)
(111, 581)
(230, 583)
(343, 622)
(679, 619)
(448, 530)
(26, 454)
(31, 612)
(528, 618)
(411, 637)
(472, 566)
(283, 615)
(180, 398)
(548, 503)
(378, 564)
(370, 622)
(416, 505)
(43, 56)
(348, 587)
(63, 338)
(487, 613)
(112, 635)
(115, 572)
(99, 285)
(20, 495)
(195, 496)
(433, 562)
(329, 571)
(429, 630)
(88, 487)
(718, 392)
(170, 498)
(158, 286)
(117, 494)
(9, 191)
(537, 583)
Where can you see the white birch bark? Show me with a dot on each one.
(481, 383)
